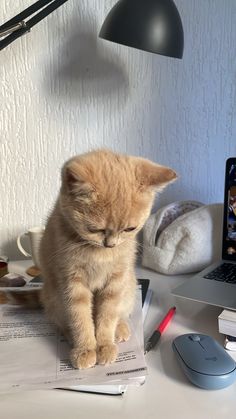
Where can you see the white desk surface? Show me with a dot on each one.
(166, 394)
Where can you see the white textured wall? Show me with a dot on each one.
(64, 91)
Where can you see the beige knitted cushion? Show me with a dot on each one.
(183, 237)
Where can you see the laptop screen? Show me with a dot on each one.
(229, 227)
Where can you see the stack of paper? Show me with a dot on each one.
(227, 326)
(230, 343)
(33, 355)
(227, 322)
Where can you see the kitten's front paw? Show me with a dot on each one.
(107, 354)
(82, 360)
(122, 332)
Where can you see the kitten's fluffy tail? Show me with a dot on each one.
(30, 299)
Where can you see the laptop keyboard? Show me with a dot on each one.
(225, 273)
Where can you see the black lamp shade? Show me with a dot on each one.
(149, 25)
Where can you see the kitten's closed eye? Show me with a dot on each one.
(128, 229)
(103, 231)
(95, 231)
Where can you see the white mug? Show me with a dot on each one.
(35, 234)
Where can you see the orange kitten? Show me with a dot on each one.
(88, 249)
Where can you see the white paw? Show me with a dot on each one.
(83, 359)
(107, 354)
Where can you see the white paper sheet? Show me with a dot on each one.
(33, 354)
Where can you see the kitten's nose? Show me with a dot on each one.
(109, 243)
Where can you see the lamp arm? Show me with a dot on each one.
(15, 33)
(25, 13)
(16, 27)
(10, 29)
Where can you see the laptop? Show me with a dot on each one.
(216, 285)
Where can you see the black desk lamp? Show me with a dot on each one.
(151, 25)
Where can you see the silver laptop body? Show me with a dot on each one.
(216, 285)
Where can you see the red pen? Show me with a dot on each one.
(152, 341)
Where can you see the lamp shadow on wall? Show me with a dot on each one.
(83, 69)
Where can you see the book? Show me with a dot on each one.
(227, 322)
(144, 287)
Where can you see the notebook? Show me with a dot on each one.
(216, 285)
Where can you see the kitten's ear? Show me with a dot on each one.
(75, 181)
(155, 176)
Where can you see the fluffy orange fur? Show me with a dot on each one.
(88, 250)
